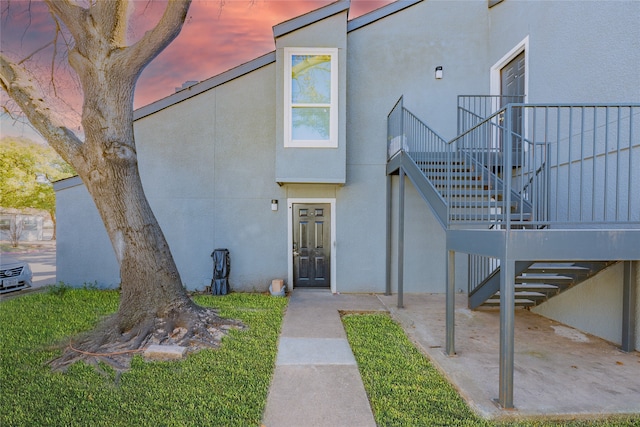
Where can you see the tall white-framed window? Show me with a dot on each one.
(311, 97)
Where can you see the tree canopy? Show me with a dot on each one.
(27, 170)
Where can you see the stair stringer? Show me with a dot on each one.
(425, 188)
(597, 249)
(491, 285)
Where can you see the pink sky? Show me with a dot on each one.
(213, 40)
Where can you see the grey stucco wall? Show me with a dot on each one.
(83, 249)
(397, 57)
(210, 163)
(214, 156)
(578, 51)
(594, 306)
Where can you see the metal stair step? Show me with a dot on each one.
(495, 302)
(476, 193)
(444, 170)
(558, 269)
(526, 295)
(516, 218)
(542, 288)
(439, 160)
(480, 203)
(463, 184)
(544, 278)
(437, 175)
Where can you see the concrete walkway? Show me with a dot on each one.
(316, 381)
(561, 373)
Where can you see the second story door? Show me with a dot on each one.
(512, 81)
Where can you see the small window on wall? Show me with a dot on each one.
(311, 97)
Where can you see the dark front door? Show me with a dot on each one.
(311, 244)
(512, 91)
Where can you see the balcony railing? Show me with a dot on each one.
(559, 166)
(473, 109)
(406, 132)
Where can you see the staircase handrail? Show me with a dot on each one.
(569, 165)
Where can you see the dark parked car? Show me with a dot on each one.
(14, 274)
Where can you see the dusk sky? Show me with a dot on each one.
(213, 40)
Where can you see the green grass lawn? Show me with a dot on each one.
(224, 387)
(405, 389)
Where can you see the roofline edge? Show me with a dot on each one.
(309, 18)
(205, 85)
(380, 13)
(72, 181)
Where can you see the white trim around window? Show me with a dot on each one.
(319, 105)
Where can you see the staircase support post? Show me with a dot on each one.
(507, 327)
(387, 289)
(401, 239)
(629, 295)
(451, 303)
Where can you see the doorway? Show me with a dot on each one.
(512, 81)
(509, 79)
(311, 245)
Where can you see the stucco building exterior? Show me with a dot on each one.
(287, 160)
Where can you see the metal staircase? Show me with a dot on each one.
(462, 180)
(536, 283)
(539, 205)
(469, 192)
(472, 191)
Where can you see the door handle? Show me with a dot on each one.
(295, 253)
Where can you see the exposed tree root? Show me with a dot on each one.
(194, 328)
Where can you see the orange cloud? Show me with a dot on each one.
(216, 39)
(213, 40)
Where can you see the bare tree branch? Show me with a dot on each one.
(15, 80)
(55, 51)
(71, 14)
(112, 17)
(28, 57)
(154, 41)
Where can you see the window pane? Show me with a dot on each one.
(310, 123)
(311, 79)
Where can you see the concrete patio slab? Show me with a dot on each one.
(560, 372)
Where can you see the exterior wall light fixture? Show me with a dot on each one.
(274, 205)
(438, 72)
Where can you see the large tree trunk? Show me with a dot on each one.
(150, 282)
(154, 306)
